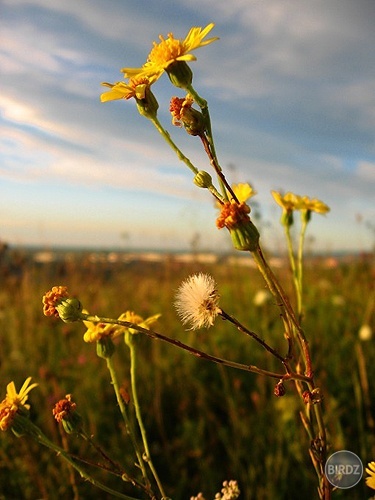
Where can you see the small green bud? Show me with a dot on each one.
(306, 216)
(20, 422)
(69, 310)
(72, 423)
(203, 179)
(245, 236)
(148, 106)
(180, 74)
(193, 121)
(287, 218)
(105, 347)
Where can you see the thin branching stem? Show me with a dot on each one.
(125, 417)
(34, 431)
(253, 335)
(195, 352)
(131, 343)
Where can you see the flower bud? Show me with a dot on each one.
(65, 412)
(148, 106)
(305, 216)
(69, 310)
(287, 218)
(203, 179)
(73, 424)
(245, 236)
(193, 121)
(279, 389)
(105, 347)
(180, 74)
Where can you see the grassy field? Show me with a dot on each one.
(206, 423)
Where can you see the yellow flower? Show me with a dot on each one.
(19, 399)
(136, 87)
(98, 331)
(288, 202)
(370, 480)
(13, 401)
(243, 191)
(313, 205)
(171, 50)
(131, 317)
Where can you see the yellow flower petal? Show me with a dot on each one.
(19, 399)
(136, 87)
(243, 191)
(11, 391)
(134, 318)
(313, 205)
(288, 201)
(170, 50)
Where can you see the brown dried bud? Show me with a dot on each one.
(279, 389)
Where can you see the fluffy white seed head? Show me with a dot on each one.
(197, 301)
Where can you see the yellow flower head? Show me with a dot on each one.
(136, 87)
(98, 331)
(131, 317)
(243, 191)
(13, 401)
(288, 202)
(170, 50)
(313, 205)
(18, 399)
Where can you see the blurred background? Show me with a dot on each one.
(291, 92)
(92, 198)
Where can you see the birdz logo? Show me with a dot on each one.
(344, 469)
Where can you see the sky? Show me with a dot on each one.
(291, 91)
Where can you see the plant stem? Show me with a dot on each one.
(295, 270)
(286, 309)
(38, 435)
(131, 343)
(174, 147)
(216, 167)
(287, 313)
(253, 335)
(202, 103)
(195, 352)
(300, 265)
(125, 417)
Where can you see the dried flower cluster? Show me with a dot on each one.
(64, 408)
(52, 298)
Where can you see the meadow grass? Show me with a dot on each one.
(205, 422)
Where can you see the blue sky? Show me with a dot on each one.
(291, 91)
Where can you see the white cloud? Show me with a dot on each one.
(366, 172)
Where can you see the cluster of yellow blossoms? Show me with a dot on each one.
(169, 55)
(291, 201)
(98, 331)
